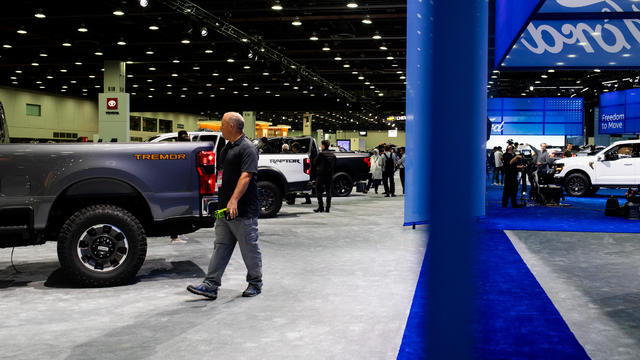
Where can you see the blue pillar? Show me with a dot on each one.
(446, 126)
(419, 66)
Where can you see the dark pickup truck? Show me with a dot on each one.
(351, 167)
(101, 201)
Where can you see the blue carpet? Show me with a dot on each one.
(582, 214)
(514, 317)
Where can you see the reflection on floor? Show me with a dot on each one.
(337, 286)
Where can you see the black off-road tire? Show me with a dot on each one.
(342, 185)
(86, 238)
(270, 199)
(577, 184)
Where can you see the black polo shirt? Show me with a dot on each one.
(236, 158)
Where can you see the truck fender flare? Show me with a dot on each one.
(266, 173)
(101, 186)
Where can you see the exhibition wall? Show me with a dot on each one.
(619, 112)
(373, 138)
(536, 116)
(32, 114)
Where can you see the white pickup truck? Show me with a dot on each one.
(278, 174)
(617, 166)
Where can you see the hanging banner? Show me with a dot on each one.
(570, 34)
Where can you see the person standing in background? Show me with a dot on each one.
(323, 169)
(400, 166)
(375, 171)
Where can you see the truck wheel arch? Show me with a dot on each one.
(98, 191)
(273, 176)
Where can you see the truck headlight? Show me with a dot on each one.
(558, 168)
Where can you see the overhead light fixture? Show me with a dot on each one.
(144, 3)
(346, 65)
(376, 36)
(66, 44)
(230, 60)
(337, 58)
(22, 31)
(208, 51)
(229, 79)
(244, 40)
(118, 13)
(7, 46)
(389, 57)
(63, 70)
(78, 63)
(35, 64)
(204, 31)
(185, 41)
(43, 54)
(313, 37)
(296, 21)
(544, 76)
(367, 20)
(596, 70)
(98, 53)
(149, 52)
(276, 6)
(40, 14)
(383, 47)
(174, 75)
(152, 69)
(265, 73)
(530, 88)
(175, 61)
(352, 4)
(326, 48)
(246, 67)
(153, 27)
(83, 28)
(121, 43)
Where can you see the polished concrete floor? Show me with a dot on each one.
(336, 286)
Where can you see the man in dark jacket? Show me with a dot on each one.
(387, 172)
(323, 169)
(511, 168)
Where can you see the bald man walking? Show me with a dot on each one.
(239, 194)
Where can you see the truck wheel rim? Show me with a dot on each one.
(266, 199)
(102, 248)
(341, 186)
(576, 185)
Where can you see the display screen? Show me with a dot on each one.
(536, 116)
(346, 144)
(620, 112)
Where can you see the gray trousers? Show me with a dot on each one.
(241, 230)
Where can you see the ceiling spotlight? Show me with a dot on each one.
(40, 14)
(246, 67)
(83, 28)
(144, 3)
(346, 65)
(230, 60)
(174, 75)
(389, 57)
(175, 61)
(121, 43)
(204, 31)
(67, 44)
(383, 47)
(35, 64)
(185, 41)
(118, 13)
(153, 27)
(250, 55)
(149, 52)
(337, 58)
(7, 46)
(296, 21)
(208, 51)
(367, 20)
(276, 6)
(43, 54)
(313, 37)
(376, 36)
(22, 31)
(326, 48)
(352, 4)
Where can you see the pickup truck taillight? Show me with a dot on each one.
(368, 161)
(207, 172)
(307, 166)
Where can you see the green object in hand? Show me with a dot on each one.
(219, 214)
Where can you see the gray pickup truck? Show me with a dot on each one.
(101, 201)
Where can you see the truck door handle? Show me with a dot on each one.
(628, 164)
